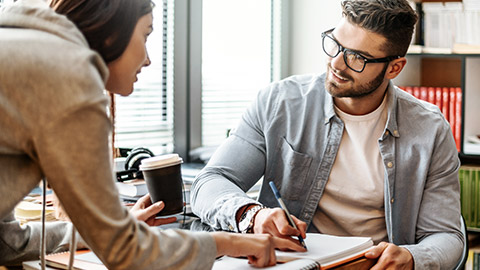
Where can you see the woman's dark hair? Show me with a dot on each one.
(106, 24)
(393, 19)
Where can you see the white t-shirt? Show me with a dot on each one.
(353, 203)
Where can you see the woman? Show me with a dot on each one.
(54, 125)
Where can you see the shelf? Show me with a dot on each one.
(450, 70)
(425, 1)
(469, 159)
(471, 149)
(459, 50)
(442, 70)
(471, 229)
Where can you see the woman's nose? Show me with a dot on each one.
(147, 61)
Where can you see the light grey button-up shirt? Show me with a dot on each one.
(291, 134)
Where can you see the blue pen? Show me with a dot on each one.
(284, 207)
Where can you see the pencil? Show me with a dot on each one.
(284, 208)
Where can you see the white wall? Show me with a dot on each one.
(308, 19)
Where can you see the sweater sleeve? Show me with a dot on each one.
(74, 154)
(22, 242)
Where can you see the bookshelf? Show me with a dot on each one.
(451, 70)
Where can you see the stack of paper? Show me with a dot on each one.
(132, 190)
(28, 211)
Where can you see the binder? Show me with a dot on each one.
(424, 93)
(445, 100)
(451, 108)
(438, 97)
(416, 92)
(431, 95)
(458, 118)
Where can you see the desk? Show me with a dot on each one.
(35, 265)
(361, 263)
(183, 222)
(189, 222)
(194, 224)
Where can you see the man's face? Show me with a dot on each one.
(341, 81)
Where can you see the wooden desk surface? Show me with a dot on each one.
(360, 264)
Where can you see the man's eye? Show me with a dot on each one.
(351, 56)
(357, 57)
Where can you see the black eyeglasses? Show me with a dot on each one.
(353, 60)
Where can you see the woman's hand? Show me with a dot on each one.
(258, 248)
(144, 210)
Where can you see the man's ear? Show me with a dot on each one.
(395, 67)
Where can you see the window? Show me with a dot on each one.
(145, 118)
(240, 56)
(2, 2)
(225, 52)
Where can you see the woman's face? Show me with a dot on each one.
(124, 70)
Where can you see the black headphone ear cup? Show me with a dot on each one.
(132, 162)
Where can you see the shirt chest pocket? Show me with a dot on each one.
(289, 170)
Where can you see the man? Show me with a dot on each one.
(350, 153)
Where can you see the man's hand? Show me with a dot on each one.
(144, 210)
(274, 222)
(390, 256)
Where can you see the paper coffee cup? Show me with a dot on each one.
(164, 181)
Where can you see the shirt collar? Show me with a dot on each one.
(392, 125)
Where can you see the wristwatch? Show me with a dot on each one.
(245, 225)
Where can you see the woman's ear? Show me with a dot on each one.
(395, 67)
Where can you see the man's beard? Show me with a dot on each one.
(355, 92)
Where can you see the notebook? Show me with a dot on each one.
(84, 260)
(133, 188)
(324, 252)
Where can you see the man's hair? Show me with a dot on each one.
(106, 24)
(393, 19)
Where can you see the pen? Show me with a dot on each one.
(284, 207)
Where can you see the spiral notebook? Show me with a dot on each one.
(324, 252)
(84, 260)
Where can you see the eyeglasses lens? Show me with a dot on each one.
(330, 46)
(352, 59)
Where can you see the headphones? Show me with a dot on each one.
(132, 163)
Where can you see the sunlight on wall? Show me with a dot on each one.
(309, 18)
